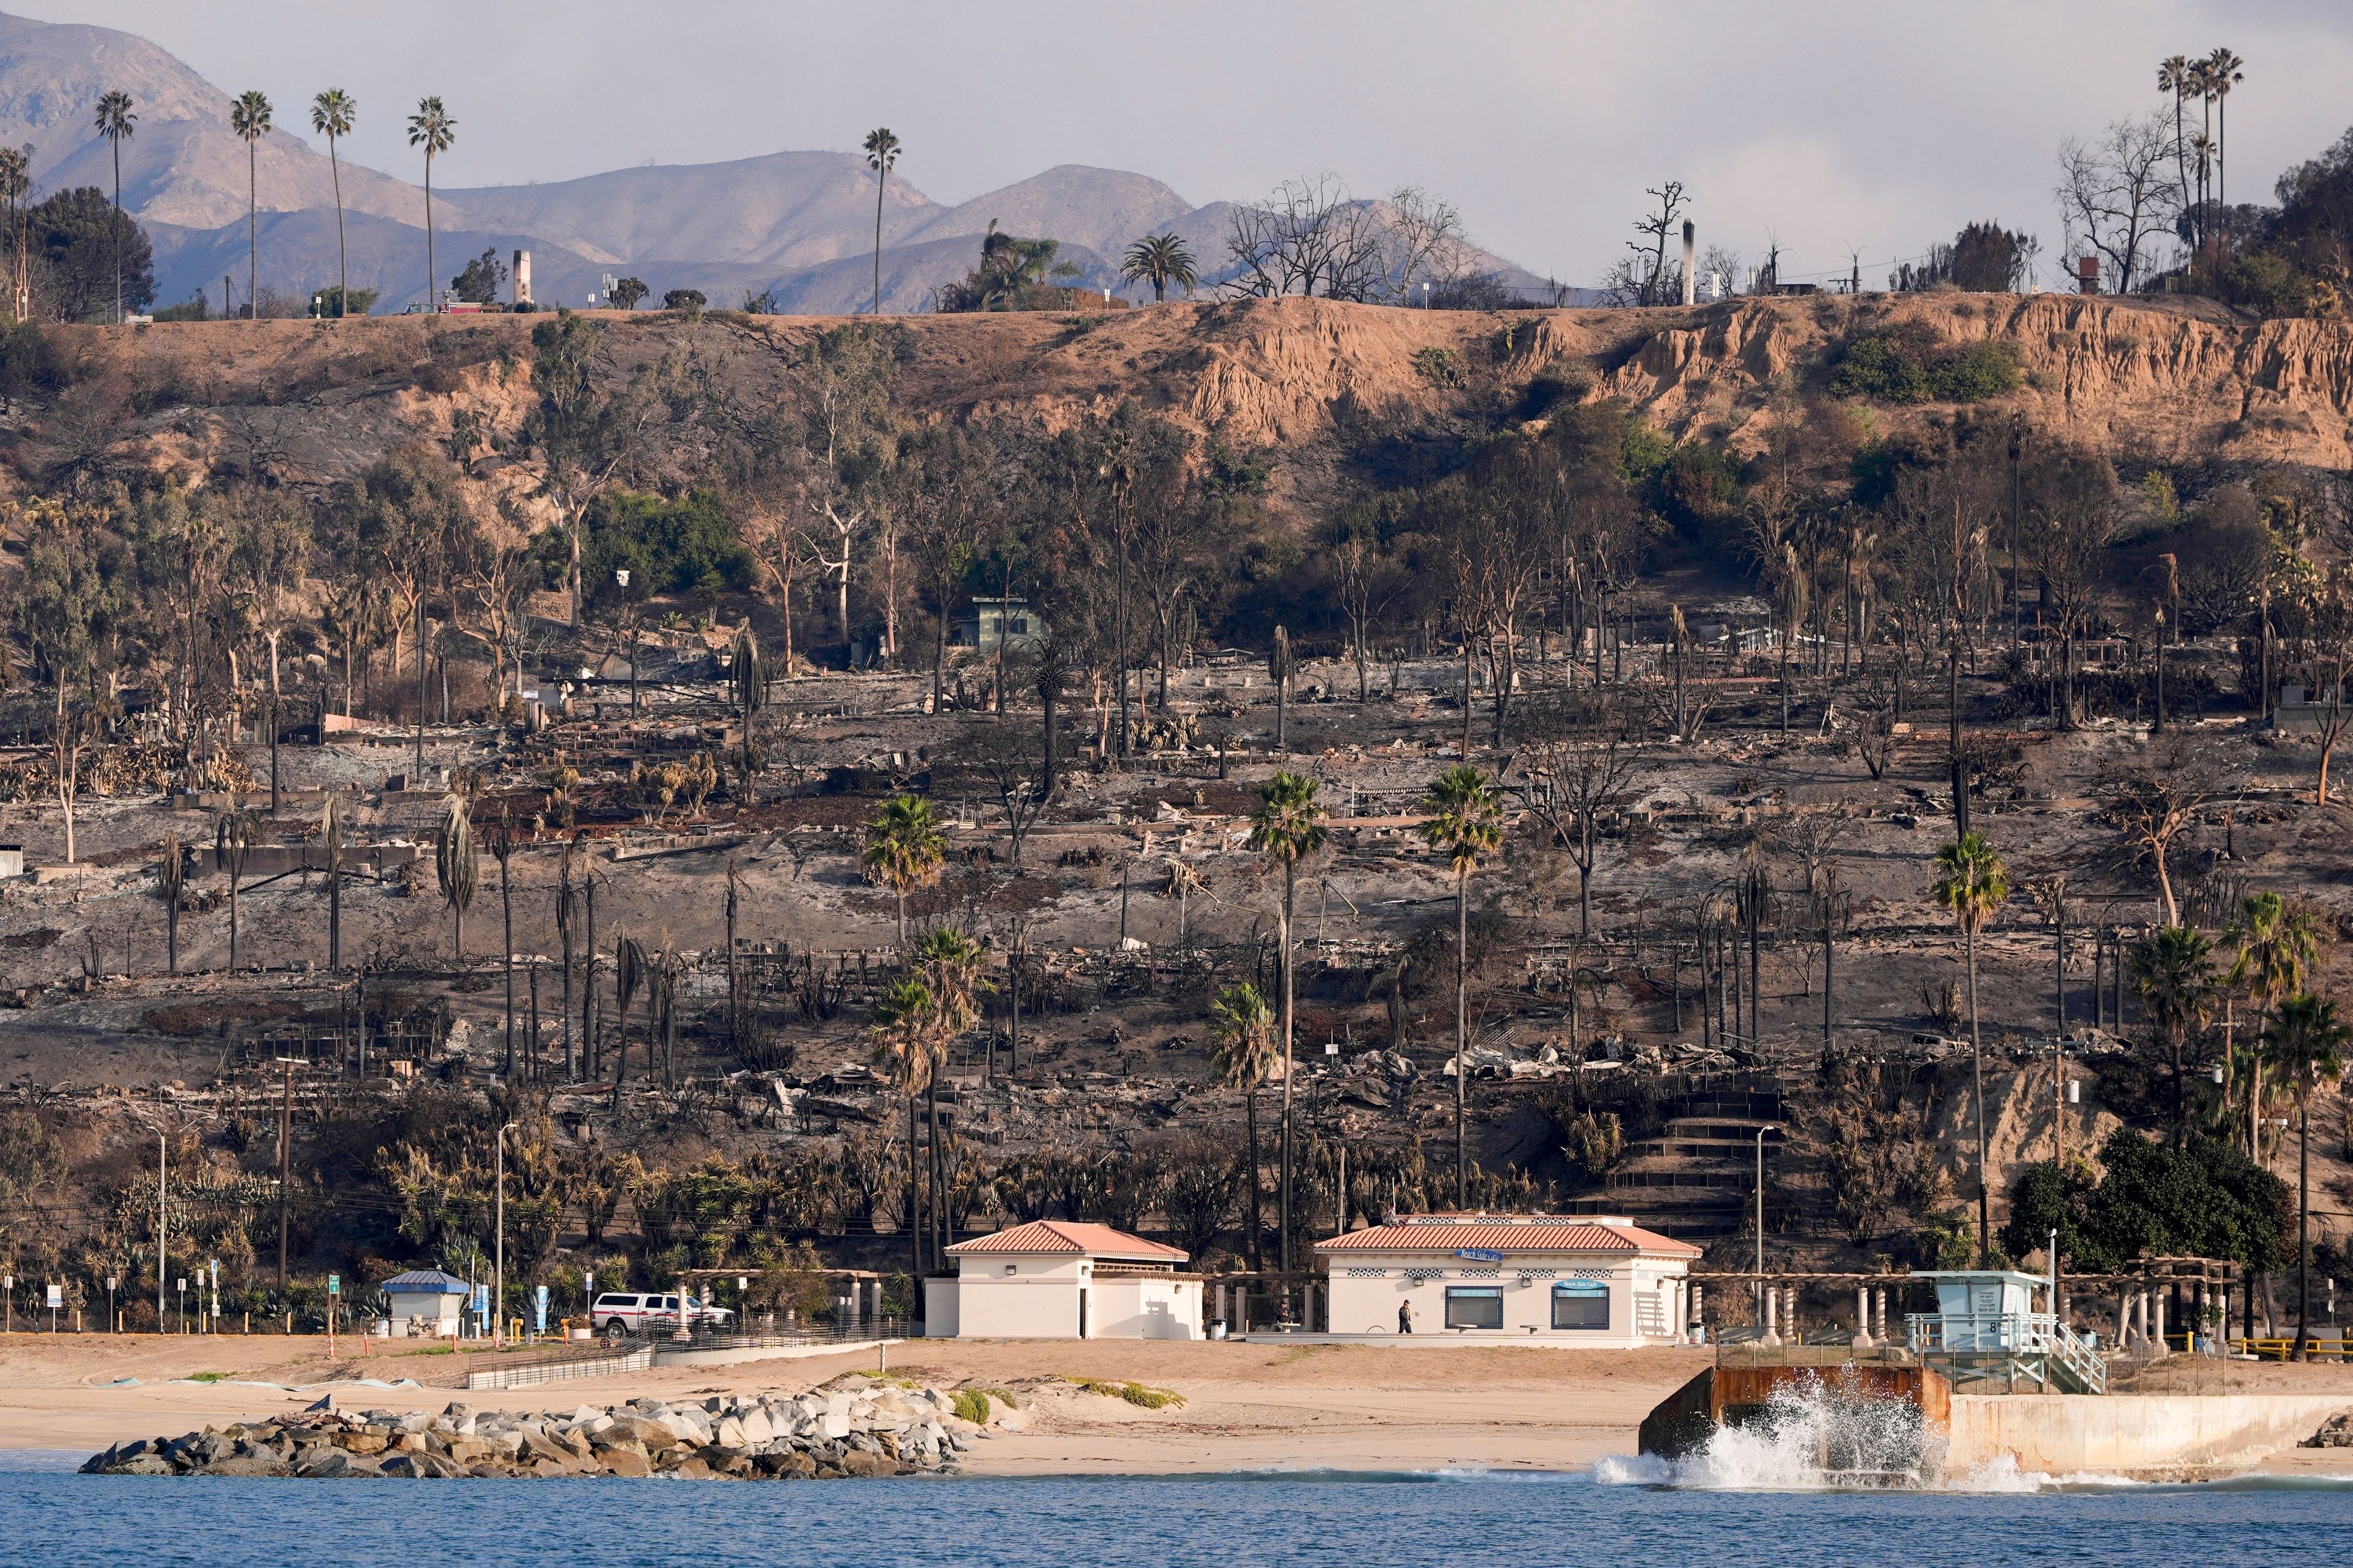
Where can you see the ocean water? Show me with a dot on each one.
(1624, 1511)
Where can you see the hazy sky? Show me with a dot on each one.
(1831, 125)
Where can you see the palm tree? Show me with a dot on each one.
(1160, 259)
(903, 1027)
(631, 970)
(333, 114)
(949, 962)
(1466, 825)
(1241, 1049)
(2174, 972)
(459, 868)
(882, 155)
(904, 848)
(250, 118)
(16, 184)
(432, 129)
(116, 121)
(1972, 882)
(331, 840)
(1287, 827)
(234, 833)
(2307, 1045)
(1050, 677)
(171, 876)
(2174, 76)
(2279, 943)
(2222, 74)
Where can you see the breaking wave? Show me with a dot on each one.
(1812, 1435)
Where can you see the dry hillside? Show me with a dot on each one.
(308, 404)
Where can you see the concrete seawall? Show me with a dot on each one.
(2127, 1435)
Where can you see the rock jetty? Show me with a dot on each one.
(882, 1430)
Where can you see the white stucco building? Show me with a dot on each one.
(1053, 1280)
(1573, 1281)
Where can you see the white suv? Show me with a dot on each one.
(620, 1312)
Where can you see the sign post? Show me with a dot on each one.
(334, 1301)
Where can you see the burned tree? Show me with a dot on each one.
(1580, 758)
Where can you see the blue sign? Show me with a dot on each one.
(541, 1327)
(1481, 1255)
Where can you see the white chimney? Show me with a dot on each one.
(1690, 269)
(523, 277)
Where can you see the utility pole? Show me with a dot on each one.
(162, 1231)
(285, 1169)
(1760, 1292)
(498, 1265)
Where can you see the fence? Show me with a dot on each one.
(562, 1366)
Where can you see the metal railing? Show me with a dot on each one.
(2032, 1344)
(562, 1366)
(861, 1330)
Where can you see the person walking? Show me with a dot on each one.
(1405, 1317)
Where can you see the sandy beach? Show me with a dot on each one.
(1245, 1407)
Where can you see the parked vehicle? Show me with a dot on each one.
(621, 1313)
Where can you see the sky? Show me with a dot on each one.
(1827, 126)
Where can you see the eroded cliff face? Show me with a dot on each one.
(2165, 382)
(308, 405)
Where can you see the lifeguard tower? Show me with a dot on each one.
(1985, 1328)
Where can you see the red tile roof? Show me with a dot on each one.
(1506, 1234)
(1065, 1237)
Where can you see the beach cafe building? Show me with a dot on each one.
(1054, 1280)
(1583, 1281)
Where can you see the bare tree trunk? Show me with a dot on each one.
(1976, 1078)
(1462, 1034)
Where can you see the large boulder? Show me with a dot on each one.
(626, 1462)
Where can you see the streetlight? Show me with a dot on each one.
(498, 1267)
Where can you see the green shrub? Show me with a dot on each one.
(684, 546)
(1911, 363)
(1441, 365)
(972, 1403)
(1142, 1395)
(29, 362)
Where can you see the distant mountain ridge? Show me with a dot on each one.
(798, 225)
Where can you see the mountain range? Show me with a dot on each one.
(797, 225)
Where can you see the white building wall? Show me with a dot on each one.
(439, 1313)
(994, 1296)
(1000, 1298)
(1139, 1307)
(1365, 1291)
(940, 1299)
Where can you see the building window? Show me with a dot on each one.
(1580, 1304)
(1474, 1307)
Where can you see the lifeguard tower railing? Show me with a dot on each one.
(2033, 1346)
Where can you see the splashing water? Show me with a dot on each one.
(1813, 1436)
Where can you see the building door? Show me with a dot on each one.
(1082, 1314)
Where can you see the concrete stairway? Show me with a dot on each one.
(1697, 1180)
